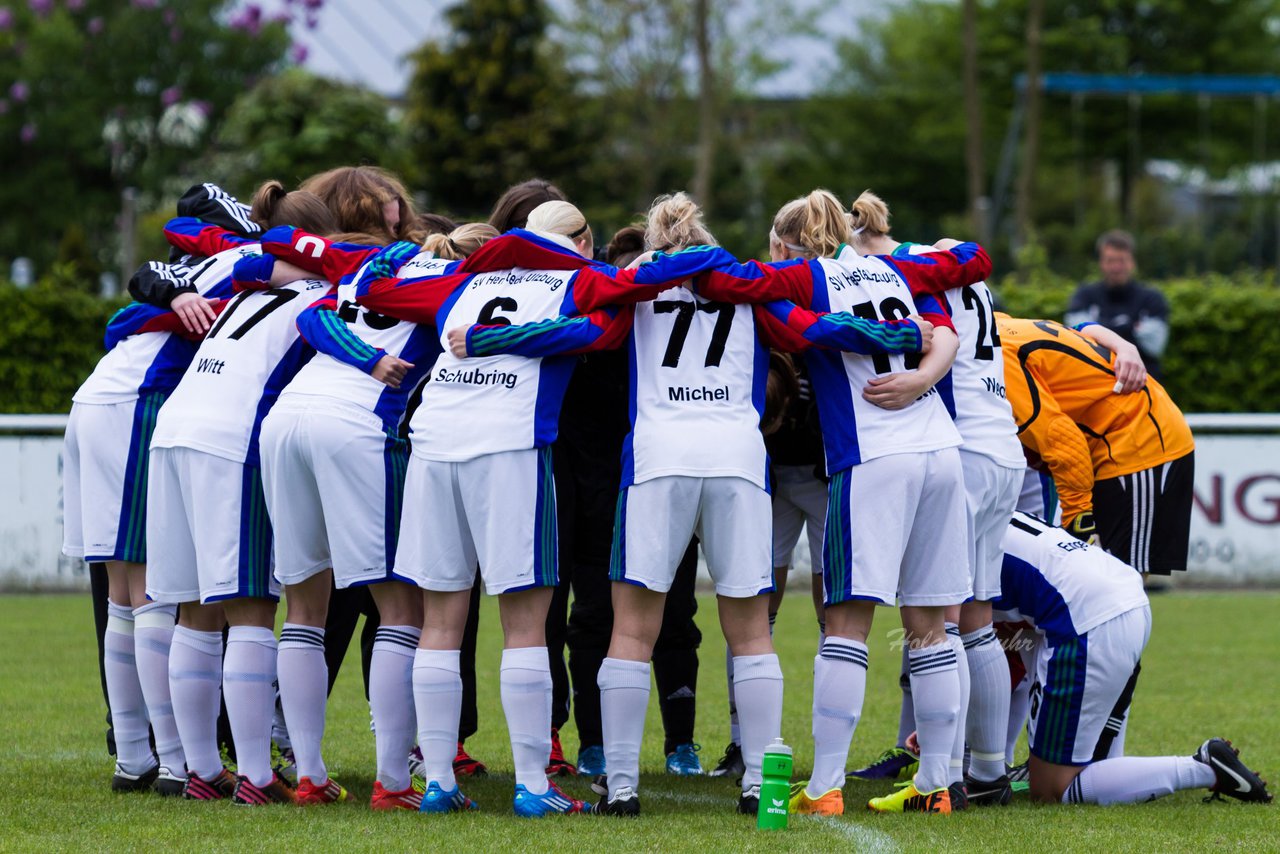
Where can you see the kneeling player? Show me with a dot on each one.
(1094, 618)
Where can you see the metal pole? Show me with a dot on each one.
(128, 228)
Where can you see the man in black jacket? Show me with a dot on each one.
(1140, 314)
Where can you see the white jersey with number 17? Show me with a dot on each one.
(249, 355)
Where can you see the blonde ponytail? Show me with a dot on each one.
(814, 225)
(869, 216)
(460, 242)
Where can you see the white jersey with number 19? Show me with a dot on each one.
(248, 356)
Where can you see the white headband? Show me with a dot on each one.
(773, 235)
(860, 229)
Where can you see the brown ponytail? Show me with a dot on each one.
(460, 242)
(273, 206)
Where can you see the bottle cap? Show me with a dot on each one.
(778, 746)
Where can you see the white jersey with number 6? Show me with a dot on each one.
(492, 404)
(249, 355)
(698, 374)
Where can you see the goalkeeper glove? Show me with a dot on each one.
(1083, 528)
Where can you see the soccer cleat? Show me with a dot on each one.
(591, 761)
(829, 803)
(997, 793)
(275, 792)
(749, 800)
(557, 765)
(311, 794)
(550, 802)
(625, 804)
(1232, 777)
(124, 782)
(464, 765)
(910, 799)
(893, 764)
(199, 789)
(959, 796)
(168, 783)
(684, 762)
(600, 784)
(731, 764)
(386, 800)
(436, 799)
(1018, 773)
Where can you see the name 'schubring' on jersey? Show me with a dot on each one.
(247, 357)
(491, 404)
(698, 374)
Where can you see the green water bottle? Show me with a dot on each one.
(775, 791)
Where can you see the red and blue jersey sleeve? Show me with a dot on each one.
(316, 254)
(601, 285)
(197, 237)
(755, 282)
(604, 329)
(322, 328)
(844, 331)
(417, 300)
(941, 270)
(137, 318)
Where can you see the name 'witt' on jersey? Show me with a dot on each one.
(249, 354)
(697, 386)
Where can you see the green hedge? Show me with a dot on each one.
(50, 339)
(1224, 337)
(1224, 344)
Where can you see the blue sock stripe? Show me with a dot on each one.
(986, 637)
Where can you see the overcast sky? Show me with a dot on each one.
(366, 40)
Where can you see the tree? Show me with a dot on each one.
(297, 124)
(96, 95)
(490, 105)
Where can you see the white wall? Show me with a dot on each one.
(1235, 524)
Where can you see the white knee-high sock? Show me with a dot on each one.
(735, 727)
(195, 685)
(525, 683)
(624, 699)
(437, 700)
(935, 684)
(839, 688)
(152, 636)
(304, 691)
(988, 719)
(1019, 704)
(249, 685)
(391, 702)
(907, 714)
(124, 693)
(956, 767)
(758, 681)
(1133, 779)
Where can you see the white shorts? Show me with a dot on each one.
(657, 519)
(104, 479)
(992, 493)
(896, 528)
(799, 502)
(499, 509)
(1083, 686)
(208, 528)
(333, 481)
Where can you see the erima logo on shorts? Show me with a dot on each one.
(476, 376)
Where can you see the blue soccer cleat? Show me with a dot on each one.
(684, 762)
(894, 764)
(591, 761)
(550, 802)
(436, 799)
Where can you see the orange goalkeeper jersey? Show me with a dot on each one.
(1060, 386)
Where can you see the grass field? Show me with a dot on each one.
(1210, 670)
